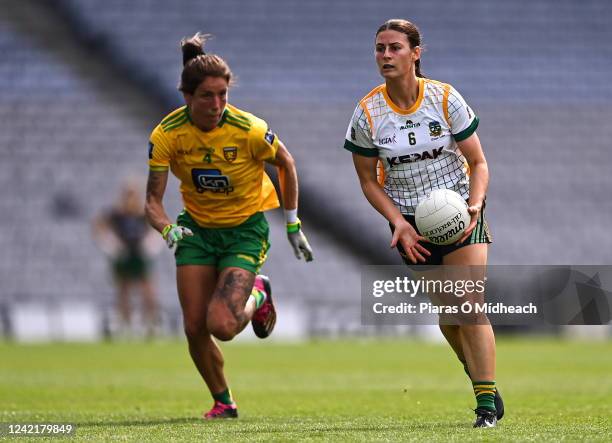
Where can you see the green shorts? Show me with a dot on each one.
(244, 246)
(131, 267)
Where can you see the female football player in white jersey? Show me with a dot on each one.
(412, 135)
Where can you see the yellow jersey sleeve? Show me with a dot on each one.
(263, 143)
(159, 150)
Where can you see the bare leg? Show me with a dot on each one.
(150, 306)
(451, 334)
(230, 308)
(123, 303)
(479, 349)
(195, 287)
(476, 341)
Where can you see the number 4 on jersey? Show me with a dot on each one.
(208, 156)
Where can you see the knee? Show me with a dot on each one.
(195, 330)
(472, 319)
(221, 321)
(221, 328)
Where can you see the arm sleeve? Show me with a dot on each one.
(462, 119)
(359, 135)
(159, 151)
(263, 143)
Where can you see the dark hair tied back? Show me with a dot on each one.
(193, 46)
(197, 65)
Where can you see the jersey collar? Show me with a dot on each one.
(416, 104)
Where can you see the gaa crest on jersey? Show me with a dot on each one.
(211, 180)
(435, 128)
(230, 153)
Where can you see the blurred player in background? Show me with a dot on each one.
(412, 135)
(218, 153)
(127, 239)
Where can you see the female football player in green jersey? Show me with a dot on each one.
(218, 153)
(412, 135)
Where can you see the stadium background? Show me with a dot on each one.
(83, 83)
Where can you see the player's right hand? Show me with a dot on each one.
(173, 233)
(409, 239)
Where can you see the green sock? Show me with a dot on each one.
(485, 394)
(259, 297)
(224, 397)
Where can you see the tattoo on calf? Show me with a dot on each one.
(235, 290)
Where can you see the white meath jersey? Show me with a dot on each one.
(417, 147)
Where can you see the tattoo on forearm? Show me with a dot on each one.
(154, 183)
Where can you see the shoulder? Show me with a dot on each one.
(446, 90)
(436, 85)
(373, 100)
(259, 137)
(174, 120)
(436, 91)
(372, 97)
(111, 215)
(257, 128)
(106, 214)
(443, 96)
(241, 119)
(166, 132)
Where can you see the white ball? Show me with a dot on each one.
(442, 217)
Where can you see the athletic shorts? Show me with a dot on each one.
(244, 246)
(131, 267)
(480, 234)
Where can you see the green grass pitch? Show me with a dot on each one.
(373, 390)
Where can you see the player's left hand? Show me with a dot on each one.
(298, 241)
(474, 212)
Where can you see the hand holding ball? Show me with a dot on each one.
(442, 217)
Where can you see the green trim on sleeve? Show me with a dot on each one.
(365, 152)
(158, 168)
(467, 131)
